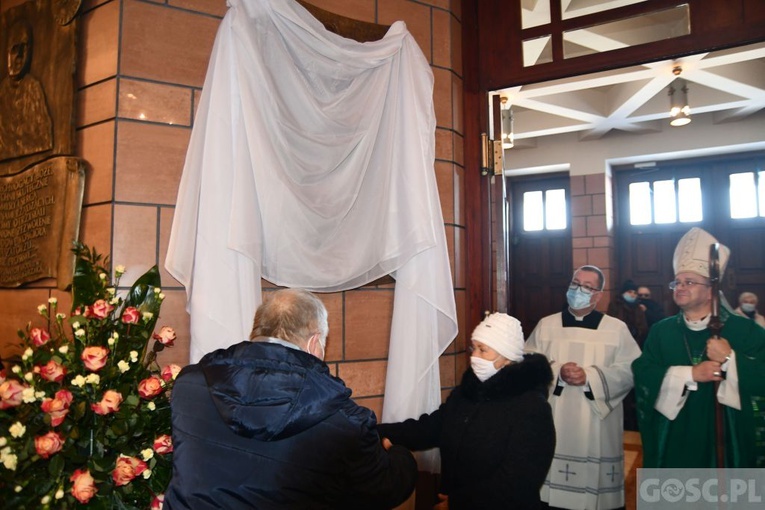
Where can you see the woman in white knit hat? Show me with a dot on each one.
(495, 431)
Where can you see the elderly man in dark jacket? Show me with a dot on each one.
(264, 425)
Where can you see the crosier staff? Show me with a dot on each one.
(715, 326)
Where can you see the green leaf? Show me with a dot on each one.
(56, 466)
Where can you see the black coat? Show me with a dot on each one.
(496, 438)
(260, 425)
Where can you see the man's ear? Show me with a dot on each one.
(313, 344)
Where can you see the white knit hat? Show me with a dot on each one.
(503, 334)
(692, 253)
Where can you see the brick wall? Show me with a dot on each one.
(140, 72)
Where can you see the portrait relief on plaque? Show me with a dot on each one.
(41, 179)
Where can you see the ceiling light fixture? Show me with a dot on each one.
(680, 111)
(506, 112)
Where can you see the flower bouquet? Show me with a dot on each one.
(85, 411)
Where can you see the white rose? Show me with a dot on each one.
(17, 429)
(28, 395)
(123, 365)
(93, 379)
(147, 454)
(63, 349)
(52, 300)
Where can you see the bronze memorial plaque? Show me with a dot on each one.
(39, 221)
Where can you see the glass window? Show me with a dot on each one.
(640, 203)
(555, 213)
(544, 210)
(660, 202)
(689, 196)
(743, 196)
(664, 204)
(537, 51)
(642, 29)
(535, 13)
(533, 211)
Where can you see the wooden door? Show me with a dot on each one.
(540, 258)
(645, 251)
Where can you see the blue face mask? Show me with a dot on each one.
(578, 299)
(629, 298)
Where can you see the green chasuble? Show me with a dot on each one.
(688, 441)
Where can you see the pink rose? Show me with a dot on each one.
(110, 403)
(48, 444)
(57, 407)
(99, 310)
(52, 371)
(157, 502)
(94, 357)
(39, 336)
(166, 336)
(170, 372)
(10, 393)
(150, 387)
(84, 486)
(126, 469)
(64, 396)
(131, 315)
(163, 444)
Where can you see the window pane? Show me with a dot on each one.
(664, 203)
(555, 210)
(537, 51)
(743, 196)
(689, 196)
(535, 13)
(640, 29)
(761, 192)
(640, 203)
(572, 8)
(533, 213)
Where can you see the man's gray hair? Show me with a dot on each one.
(293, 315)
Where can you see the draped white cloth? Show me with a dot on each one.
(311, 164)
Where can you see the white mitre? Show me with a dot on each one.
(692, 253)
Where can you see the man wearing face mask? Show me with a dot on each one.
(590, 355)
(263, 424)
(495, 431)
(747, 307)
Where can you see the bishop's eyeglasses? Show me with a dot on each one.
(686, 283)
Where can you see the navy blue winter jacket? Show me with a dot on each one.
(260, 425)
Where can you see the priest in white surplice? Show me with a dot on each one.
(590, 354)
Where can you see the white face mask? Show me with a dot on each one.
(483, 368)
(748, 307)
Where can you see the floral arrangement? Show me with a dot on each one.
(85, 411)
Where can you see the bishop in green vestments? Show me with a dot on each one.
(675, 375)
